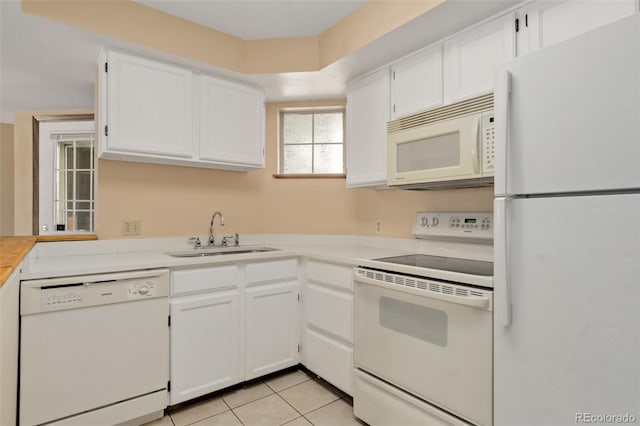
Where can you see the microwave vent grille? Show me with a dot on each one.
(459, 109)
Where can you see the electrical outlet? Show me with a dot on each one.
(131, 227)
(379, 226)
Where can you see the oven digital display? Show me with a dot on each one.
(469, 221)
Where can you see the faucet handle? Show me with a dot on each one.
(226, 238)
(196, 242)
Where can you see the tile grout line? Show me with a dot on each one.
(294, 408)
(257, 399)
(232, 412)
(322, 406)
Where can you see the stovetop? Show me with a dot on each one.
(464, 266)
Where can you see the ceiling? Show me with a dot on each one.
(46, 65)
(260, 19)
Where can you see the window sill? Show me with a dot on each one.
(310, 176)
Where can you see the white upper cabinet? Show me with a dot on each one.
(151, 111)
(471, 58)
(417, 82)
(149, 107)
(367, 116)
(543, 23)
(231, 123)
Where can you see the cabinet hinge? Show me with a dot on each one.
(169, 386)
(526, 20)
(169, 320)
(264, 104)
(106, 130)
(298, 348)
(394, 107)
(298, 297)
(106, 67)
(394, 75)
(517, 25)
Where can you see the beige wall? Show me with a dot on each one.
(179, 201)
(135, 23)
(6, 179)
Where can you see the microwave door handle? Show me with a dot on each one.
(475, 148)
(470, 301)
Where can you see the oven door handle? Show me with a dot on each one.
(471, 301)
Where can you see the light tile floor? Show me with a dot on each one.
(293, 398)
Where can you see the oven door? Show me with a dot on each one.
(429, 338)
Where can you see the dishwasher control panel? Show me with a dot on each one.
(92, 290)
(62, 298)
(142, 290)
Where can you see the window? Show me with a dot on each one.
(67, 177)
(312, 142)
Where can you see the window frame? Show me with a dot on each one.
(310, 110)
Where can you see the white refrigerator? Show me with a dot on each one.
(567, 232)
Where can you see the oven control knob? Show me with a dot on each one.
(435, 221)
(425, 221)
(143, 290)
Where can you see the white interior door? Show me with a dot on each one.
(61, 172)
(573, 115)
(573, 345)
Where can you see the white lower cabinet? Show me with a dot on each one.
(328, 323)
(272, 317)
(206, 339)
(9, 324)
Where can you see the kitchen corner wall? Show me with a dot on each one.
(6, 179)
(178, 201)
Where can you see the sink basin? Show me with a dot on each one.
(220, 251)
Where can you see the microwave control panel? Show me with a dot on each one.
(488, 141)
(474, 225)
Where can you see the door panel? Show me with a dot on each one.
(205, 344)
(572, 347)
(573, 121)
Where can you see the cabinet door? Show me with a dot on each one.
(205, 344)
(271, 328)
(149, 107)
(417, 82)
(471, 58)
(543, 23)
(9, 324)
(231, 123)
(367, 116)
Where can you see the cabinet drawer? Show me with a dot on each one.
(327, 273)
(331, 360)
(331, 311)
(201, 279)
(272, 270)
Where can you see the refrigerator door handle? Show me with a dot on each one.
(502, 285)
(502, 106)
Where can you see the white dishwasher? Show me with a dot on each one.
(94, 350)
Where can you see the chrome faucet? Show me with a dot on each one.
(211, 238)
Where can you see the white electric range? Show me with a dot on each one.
(423, 327)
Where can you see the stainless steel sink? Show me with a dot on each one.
(220, 251)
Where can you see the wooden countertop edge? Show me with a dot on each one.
(54, 238)
(14, 249)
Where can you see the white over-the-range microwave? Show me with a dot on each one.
(450, 146)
